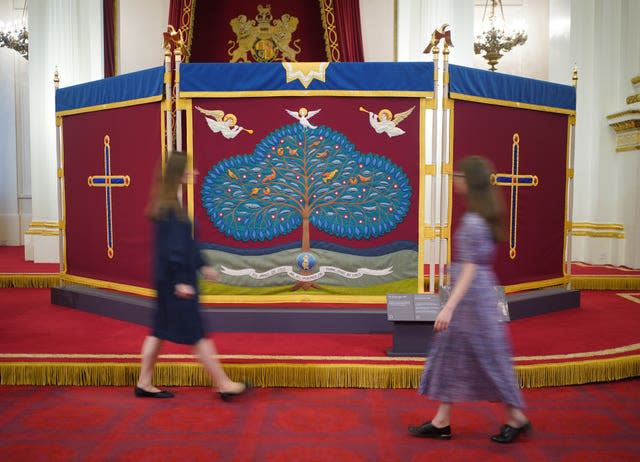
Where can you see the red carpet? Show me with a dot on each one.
(598, 341)
(585, 269)
(12, 261)
(31, 324)
(596, 422)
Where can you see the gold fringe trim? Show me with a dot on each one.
(605, 283)
(29, 281)
(301, 375)
(577, 373)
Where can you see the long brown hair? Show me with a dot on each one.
(164, 192)
(482, 197)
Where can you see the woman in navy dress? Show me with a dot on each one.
(176, 266)
(470, 359)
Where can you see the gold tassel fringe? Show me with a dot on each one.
(605, 283)
(301, 375)
(29, 281)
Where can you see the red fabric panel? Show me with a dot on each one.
(108, 18)
(264, 115)
(349, 30)
(487, 130)
(135, 148)
(175, 12)
(212, 33)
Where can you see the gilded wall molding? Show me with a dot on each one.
(626, 124)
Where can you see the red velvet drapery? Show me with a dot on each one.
(108, 18)
(349, 31)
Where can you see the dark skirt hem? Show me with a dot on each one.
(174, 339)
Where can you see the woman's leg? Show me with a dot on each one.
(208, 356)
(438, 427)
(515, 417)
(443, 416)
(150, 350)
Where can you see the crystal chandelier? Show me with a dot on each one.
(16, 37)
(495, 39)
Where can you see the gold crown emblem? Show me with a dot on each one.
(264, 38)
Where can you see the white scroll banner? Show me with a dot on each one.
(288, 270)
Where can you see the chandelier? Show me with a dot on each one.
(15, 37)
(494, 40)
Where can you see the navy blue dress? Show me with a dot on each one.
(177, 260)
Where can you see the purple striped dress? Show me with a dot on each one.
(471, 360)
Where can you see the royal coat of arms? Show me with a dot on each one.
(265, 38)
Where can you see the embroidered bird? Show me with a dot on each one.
(328, 176)
(231, 174)
(270, 177)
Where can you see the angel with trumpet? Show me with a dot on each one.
(226, 124)
(386, 122)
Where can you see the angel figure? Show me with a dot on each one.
(385, 122)
(303, 116)
(226, 124)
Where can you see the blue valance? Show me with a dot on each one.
(136, 85)
(392, 78)
(493, 85)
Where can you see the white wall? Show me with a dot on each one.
(9, 221)
(15, 186)
(417, 19)
(559, 52)
(606, 185)
(378, 29)
(11, 10)
(142, 23)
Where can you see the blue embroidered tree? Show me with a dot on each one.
(297, 176)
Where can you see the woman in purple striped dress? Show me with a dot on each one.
(470, 359)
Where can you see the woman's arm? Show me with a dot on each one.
(465, 279)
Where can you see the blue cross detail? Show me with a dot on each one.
(108, 181)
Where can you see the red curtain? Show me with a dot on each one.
(108, 15)
(175, 8)
(349, 31)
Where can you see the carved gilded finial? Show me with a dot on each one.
(574, 75)
(173, 42)
(56, 77)
(437, 36)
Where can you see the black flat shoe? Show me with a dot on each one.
(140, 393)
(228, 396)
(427, 430)
(508, 434)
